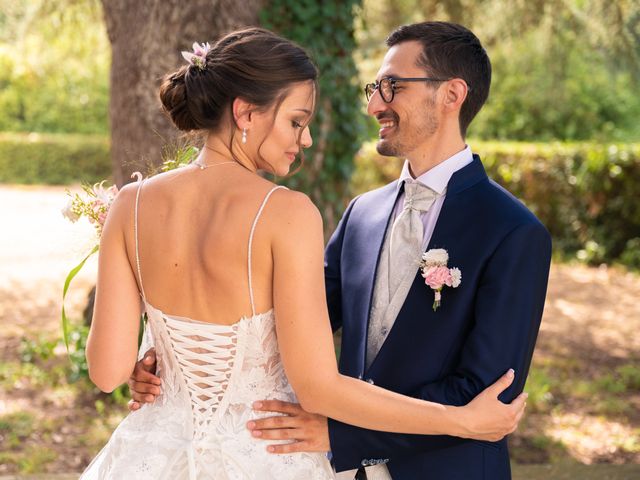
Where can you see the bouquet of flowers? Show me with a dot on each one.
(93, 203)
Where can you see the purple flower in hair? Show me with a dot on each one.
(199, 55)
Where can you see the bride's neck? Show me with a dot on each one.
(216, 149)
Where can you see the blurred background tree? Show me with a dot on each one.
(146, 38)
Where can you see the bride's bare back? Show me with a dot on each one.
(194, 227)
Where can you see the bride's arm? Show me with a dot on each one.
(112, 345)
(306, 346)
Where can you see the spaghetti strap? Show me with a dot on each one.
(253, 228)
(135, 233)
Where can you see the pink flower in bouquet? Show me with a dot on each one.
(104, 196)
(94, 204)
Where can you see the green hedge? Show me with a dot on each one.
(586, 194)
(54, 159)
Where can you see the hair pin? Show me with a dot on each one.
(199, 55)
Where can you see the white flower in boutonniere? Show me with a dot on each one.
(437, 275)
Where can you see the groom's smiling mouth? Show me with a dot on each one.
(387, 124)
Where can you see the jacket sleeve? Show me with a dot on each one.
(332, 269)
(508, 310)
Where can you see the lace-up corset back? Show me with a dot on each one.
(205, 352)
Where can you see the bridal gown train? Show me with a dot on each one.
(196, 429)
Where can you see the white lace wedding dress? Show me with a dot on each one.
(196, 429)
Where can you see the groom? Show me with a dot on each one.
(434, 79)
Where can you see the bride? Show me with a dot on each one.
(229, 268)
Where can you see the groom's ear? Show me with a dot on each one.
(242, 111)
(455, 93)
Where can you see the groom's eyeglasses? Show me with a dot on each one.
(387, 86)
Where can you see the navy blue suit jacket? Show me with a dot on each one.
(484, 327)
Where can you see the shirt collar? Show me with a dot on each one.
(438, 177)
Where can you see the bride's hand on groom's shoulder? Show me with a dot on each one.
(143, 384)
(308, 432)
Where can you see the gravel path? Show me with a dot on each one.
(36, 241)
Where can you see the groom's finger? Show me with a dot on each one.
(501, 384)
(140, 376)
(278, 406)
(272, 423)
(277, 434)
(141, 387)
(149, 360)
(143, 397)
(292, 447)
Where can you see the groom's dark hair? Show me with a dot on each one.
(450, 50)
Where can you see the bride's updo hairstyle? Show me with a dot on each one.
(253, 64)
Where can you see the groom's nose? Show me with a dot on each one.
(376, 105)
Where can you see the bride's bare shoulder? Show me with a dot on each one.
(124, 201)
(293, 210)
(165, 180)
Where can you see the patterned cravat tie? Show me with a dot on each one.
(408, 231)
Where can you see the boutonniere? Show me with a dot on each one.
(436, 274)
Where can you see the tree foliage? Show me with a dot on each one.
(53, 67)
(326, 29)
(562, 69)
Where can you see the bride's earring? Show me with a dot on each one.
(244, 135)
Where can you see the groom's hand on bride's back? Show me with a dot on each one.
(143, 384)
(307, 432)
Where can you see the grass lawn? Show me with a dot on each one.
(576, 472)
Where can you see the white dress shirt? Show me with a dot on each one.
(437, 179)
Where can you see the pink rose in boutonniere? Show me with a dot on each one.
(437, 275)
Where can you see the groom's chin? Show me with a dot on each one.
(387, 149)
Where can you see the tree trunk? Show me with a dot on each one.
(146, 39)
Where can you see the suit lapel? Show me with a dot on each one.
(460, 180)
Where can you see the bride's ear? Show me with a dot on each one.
(242, 113)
